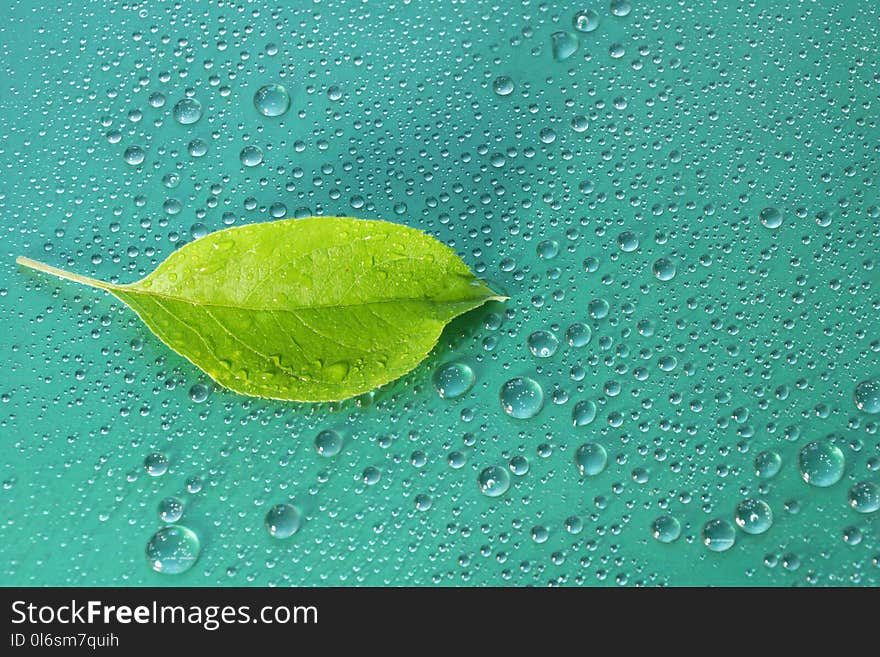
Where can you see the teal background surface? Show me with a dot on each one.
(662, 137)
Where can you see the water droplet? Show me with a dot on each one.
(852, 535)
(156, 464)
(583, 413)
(522, 398)
(503, 85)
(334, 93)
(197, 148)
(198, 230)
(540, 534)
(187, 111)
(821, 463)
(578, 335)
(548, 249)
(564, 45)
(173, 550)
(494, 481)
(328, 443)
(864, 497)
(867, 396)
(620, 8)
(628, 241)
(664, 269)
(519, 465)
(718, 535)
(251, 156)
(770, 217)
(371, 476)
(767, 464)
(134, 155)
(283, 520)
(753, 516)
(423, 502)
(666, 529)
(453, 380)
(170, 509)
(590, 459)
(586, 20)
(272, 100)
(199, 392)
(543, 344)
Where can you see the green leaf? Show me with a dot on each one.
(317, 309)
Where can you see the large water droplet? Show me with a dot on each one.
(564, 44)
(494, 481)
(867, 396)
(503, 85)
(199, 392)
(821, 463)
(590, 459)
(543, 344)
(767, 464)
(522, 398)
(156, 464)
(251, 156)
(664, 269)
(453, 380)
(666, 529)
(718, 535)
(187, 111)
(771, 217)
(283, 521)
(585, 21)
(583, 413)
(864, 497)
(328, 443)
(134, 155)
(272, 100)
(753, 516)
(173, 550)
(170, 509)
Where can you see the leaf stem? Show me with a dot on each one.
(60, 273)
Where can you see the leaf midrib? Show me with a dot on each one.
(130, 289)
